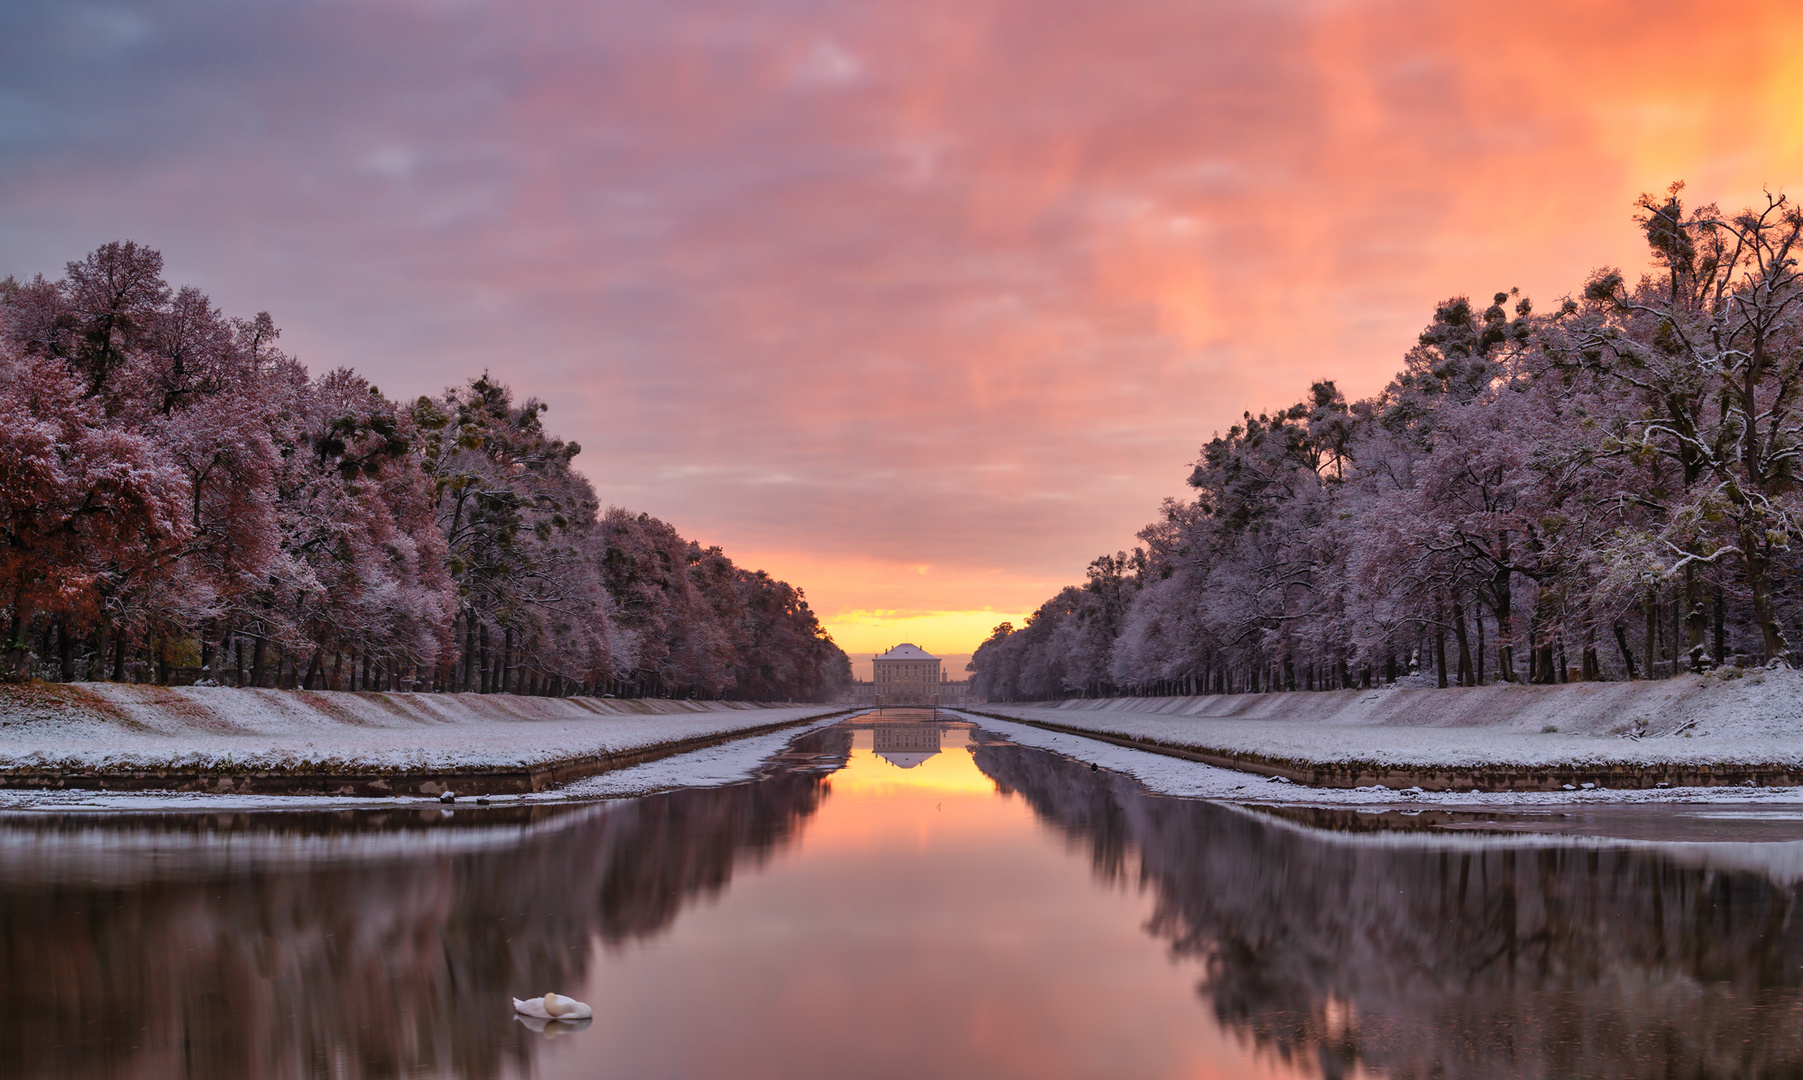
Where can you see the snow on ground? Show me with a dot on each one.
(113, 726)
(79, 800)
(710, 766)
(1781, 861)
(1196, 780)
(1734, 718)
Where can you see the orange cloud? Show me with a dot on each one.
(849, 288)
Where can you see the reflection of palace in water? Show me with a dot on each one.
(905, 745)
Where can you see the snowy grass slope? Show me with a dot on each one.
(1732, 718)
(725, 763)
(108, 726)
(1196, 780)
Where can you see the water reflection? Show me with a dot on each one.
(354, 944)
(1456, 956)
(906, 745)
(945, 903)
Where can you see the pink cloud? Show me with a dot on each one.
(952, 283)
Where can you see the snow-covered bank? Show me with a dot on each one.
(1757, 701)
(1727, 723)
(1196, 780)
(729, 762)
(82, 730)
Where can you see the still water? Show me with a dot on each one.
(896, 899)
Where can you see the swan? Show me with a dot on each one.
(553, 1007)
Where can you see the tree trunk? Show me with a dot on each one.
(65, 649)
(258, 657)
(1500, 588)
(482, 654)
(208, 629)
(1696, 622)
(18, 652)
(1440, 648)
(1721, 637)
(469, 652)
(1627, 658)
(1650, 607)
(1759, 580)
(1467, 674)
(1480, 644)
(1678, 606)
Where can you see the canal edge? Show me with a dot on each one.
(384, 783)
(1486, 778)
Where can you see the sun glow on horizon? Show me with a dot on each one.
(943, 633)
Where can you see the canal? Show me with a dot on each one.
(902, 897)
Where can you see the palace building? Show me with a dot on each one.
(909, 675)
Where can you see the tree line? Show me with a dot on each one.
(1605, 491)
(181, 500)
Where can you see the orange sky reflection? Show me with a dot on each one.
(925, 925)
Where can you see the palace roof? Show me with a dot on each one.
(907, 652)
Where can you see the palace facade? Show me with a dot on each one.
(909, 675)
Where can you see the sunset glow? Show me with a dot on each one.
(921, 307)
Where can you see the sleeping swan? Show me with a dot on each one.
(553, 1007)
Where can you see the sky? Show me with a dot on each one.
(920, 306)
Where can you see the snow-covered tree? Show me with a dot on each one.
(180, 494)
(1585, 494)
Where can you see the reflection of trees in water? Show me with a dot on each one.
(384, 966)
(1467, 959)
